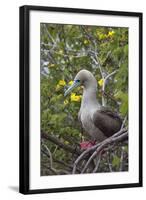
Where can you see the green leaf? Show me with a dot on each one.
(116, 161)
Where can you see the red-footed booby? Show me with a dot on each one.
(98, 122)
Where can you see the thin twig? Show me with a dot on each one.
(108, 161)
(49, 35)
(124, 121)
(97, 162)
(104, 84)
(51, 160)
(121, 160)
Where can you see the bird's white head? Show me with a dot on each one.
(84, 78)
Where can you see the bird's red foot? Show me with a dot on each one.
(87, 144)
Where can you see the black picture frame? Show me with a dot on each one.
(25, 105)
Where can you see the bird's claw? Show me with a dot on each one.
(87, 144)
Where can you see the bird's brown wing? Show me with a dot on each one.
(107, 121)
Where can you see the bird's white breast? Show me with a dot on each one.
(88, 125)
(89, 106)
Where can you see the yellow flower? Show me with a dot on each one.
(101, 36)
(111, 33)
(70, 82)
(62, 83)
(60, 51)
(52, 65)
(100, 82)
(86, 41)
(66, 102)
(66, 142)
(75, 97)
(58, 87)
(73, 94)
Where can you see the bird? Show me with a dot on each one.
(98, 121)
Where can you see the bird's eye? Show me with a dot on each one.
(77, 81)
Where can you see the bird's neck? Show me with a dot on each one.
(89, 97)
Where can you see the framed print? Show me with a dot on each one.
(80, 99)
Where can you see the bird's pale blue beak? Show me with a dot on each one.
(75, 84)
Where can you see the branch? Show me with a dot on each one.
(104, 83)
(49, 35)
(108, 95)
(108, 162)
(121, 160)
(124, 122)
(56, 141)
(67, 165)
(97, 63)
(53, 159)
(97, 162)
(101, 147)
(95, 150)
(49, 155)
